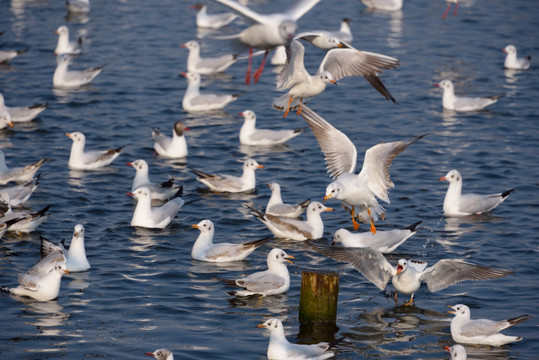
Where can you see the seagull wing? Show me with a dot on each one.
(294, 71)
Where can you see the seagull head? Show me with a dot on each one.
(459, 310)
(401, 266)
(452, 176)
(332, 191)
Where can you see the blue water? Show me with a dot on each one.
(144, 292)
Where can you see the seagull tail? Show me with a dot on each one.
(519, 319)
(413, 227)
(281, 103)
(506, 193)
(305, 203)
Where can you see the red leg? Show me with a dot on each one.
(300, 103)
(456, 7)
(258, 72)
(446, 11)
(288, 108)
(248, 75)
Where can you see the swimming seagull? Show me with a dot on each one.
(76, 260)
(458, 352)
(450, 101)
(268, 31)
(78, 6)
(512, 61)
(280, 348)
(312, 228)
(250, 135)
(162, 191)
(373, 180)
(89, 160)
(228, 183)
(64, 78)
(21, 174)
(64, 46)
(174, 147)
(211, 21)
(328, 39)
(481, 331)
(386, 5)
(161, 354)
(409, 274)
(274, 280)
(27, 222)
(383, 241)
(206, 65)
(21, 113)
(6, 55)
(276, 206)
(194, 101)
(205, 249)
(42, 281)
(458, 204)
(18, 195)
(337, 64)
(159, 217)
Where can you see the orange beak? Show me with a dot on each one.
(400, 268)
(443, 178)
(450, 312)
(194, 226)
(326, 197)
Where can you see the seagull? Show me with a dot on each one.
(457, 3)
(147, 216)
(18, 195)
(64, 46)
(205, 250)
(459, 103)
(76, 260)
(276, 206)
(171, 147)
(88, 160)
(162, 191)
(385, 5)
(268, 31)
(312, 228)
(22, 113)
(6, 55)
(481, 331)
(409, 274)
(337, 64)
(78, 6)
(458, 352)
(161, 354)
(512, 61)
(280, 349)
(228, 183)
(42, 281)
(383, 241)
(27, 221)
(372, 182)
(194, 101)
(458, 204)
(274, 280)
(250, 135)
(329, 39)
(21, 174)
(64, 78)
(211, 21)
(206, 65)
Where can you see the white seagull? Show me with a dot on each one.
(27, 222)
(276, 206)
(21, 174)
(481, 331)
(458, 352)
(205, 249)
(161, 354)
(64, 78)
(280, 348)
(268, 31)
(372, 182)
(329, 39)
(383, 241)
(21, 113)
(76, 260)
(64, 46)
(88, 160)
(159, 217)
(450, 101)
(206, 65)
(458, 204)
(18, 195)
(228, 183)
(512, 61)
(214, 20)
(6, 55)
(174, 147)
(274, 280)
(42, 281)
(250, 135)
(194, 101)
(300, 230)
(162, 191)
(409, 274)
(337, 64)
(78, 6)
(385, 5)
